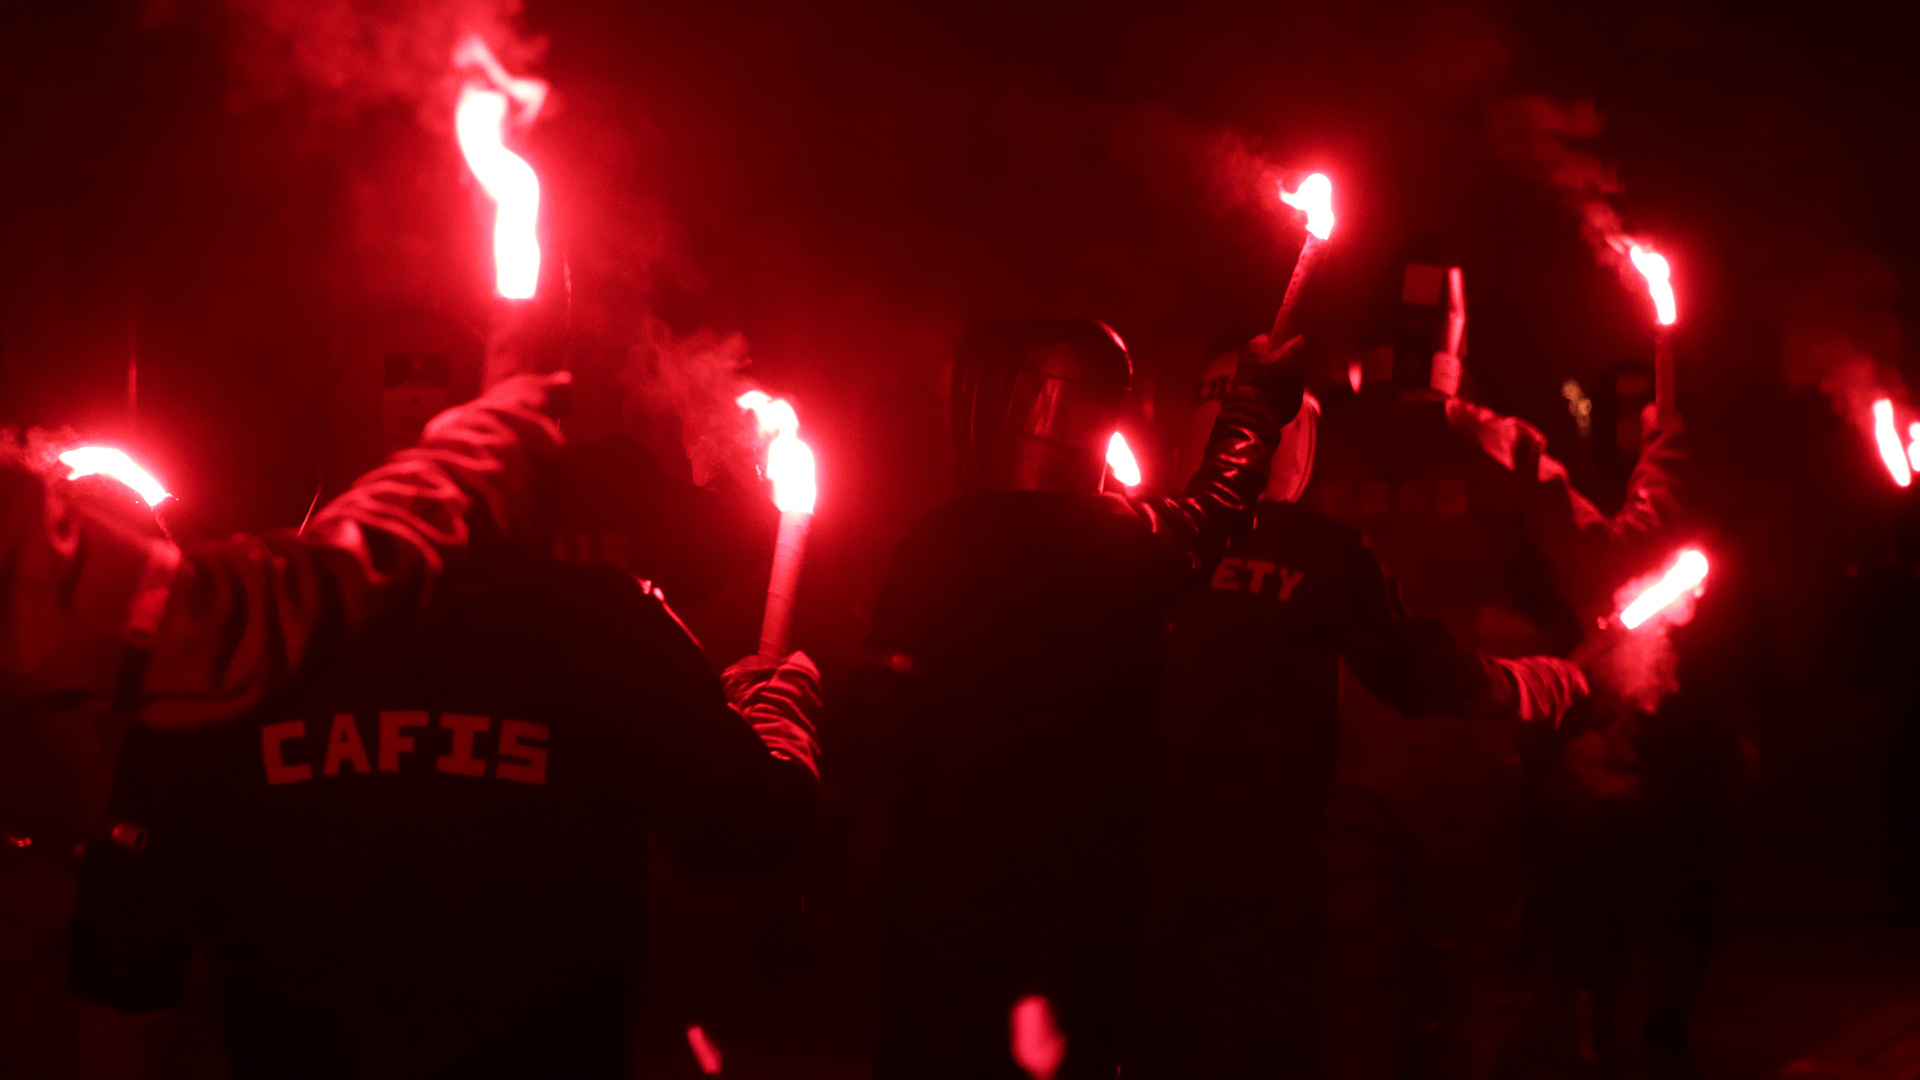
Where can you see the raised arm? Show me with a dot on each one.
(1418, 667)
(1219, 501)
(1589, 553)
(186, 636)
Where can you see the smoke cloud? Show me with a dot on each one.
(343, 56)
(1843, 333)
(1548, 138)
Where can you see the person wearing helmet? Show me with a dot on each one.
(1482, 530)
(1021, 623)
(1251, 726)
(97, 614)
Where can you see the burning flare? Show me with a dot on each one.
(1659, 277)
(789, 461)
(1314, 197)
(1888, 441)
(1120, 460)
(106, 461)
(1686, 575)
(479, 123)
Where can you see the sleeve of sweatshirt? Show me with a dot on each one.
(1418, 667)
(194, 635)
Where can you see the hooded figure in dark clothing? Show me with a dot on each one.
(1024, 625)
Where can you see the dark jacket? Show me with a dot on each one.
(430, 861)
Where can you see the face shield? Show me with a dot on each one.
(1035, 402)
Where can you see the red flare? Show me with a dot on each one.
(106, 461)
(1687, 575)
(1659, 277)
(479, 123)
(1120, 460)
(1038, 1045)
(1314, 197)
(1913, 445)
(1888, 441)
(789, 461)
(704, 1052)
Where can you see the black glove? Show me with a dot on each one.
(1279, 377)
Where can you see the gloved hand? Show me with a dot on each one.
(1543, 687)
(1278, 376)
(781, 699)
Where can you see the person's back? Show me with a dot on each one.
(1250, 732)
(430, 861)
(1033, 621)
(1481, 529)
(1024, 623)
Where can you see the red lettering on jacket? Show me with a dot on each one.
(271, 736)
(461, 761)
(518, 761)
(344, 744)
(1225, 576)
(392, 742)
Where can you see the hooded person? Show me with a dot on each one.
(1482, 530)
(1248, 745)
(1015, 713)
(428, 857)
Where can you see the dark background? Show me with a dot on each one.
(235, 192)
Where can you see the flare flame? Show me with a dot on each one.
(1314, 197)
(1888, 440)
(789, 461)
(1687, 575)
(479, 124)
(1120, 460)
(106, 461)
(1659, 275)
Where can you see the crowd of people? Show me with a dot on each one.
(1237, 781)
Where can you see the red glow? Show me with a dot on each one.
(1314, 197)
(1913, 445)
(1120, 460)
(106, 461)
(20, 841)
(1687, 575)
(1038, 1045)
(789, 461)
(704, 1052)
(1659, 282)
(479, 123)
(1888, 441)
(1354, 375)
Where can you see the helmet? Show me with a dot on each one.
(1421, 316)
(1035, 402)
(1292, 461)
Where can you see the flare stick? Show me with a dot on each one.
(788, 547)
(790, 467)
(1314, 197)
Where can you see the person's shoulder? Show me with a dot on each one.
(1305, 533)
(547, 597)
